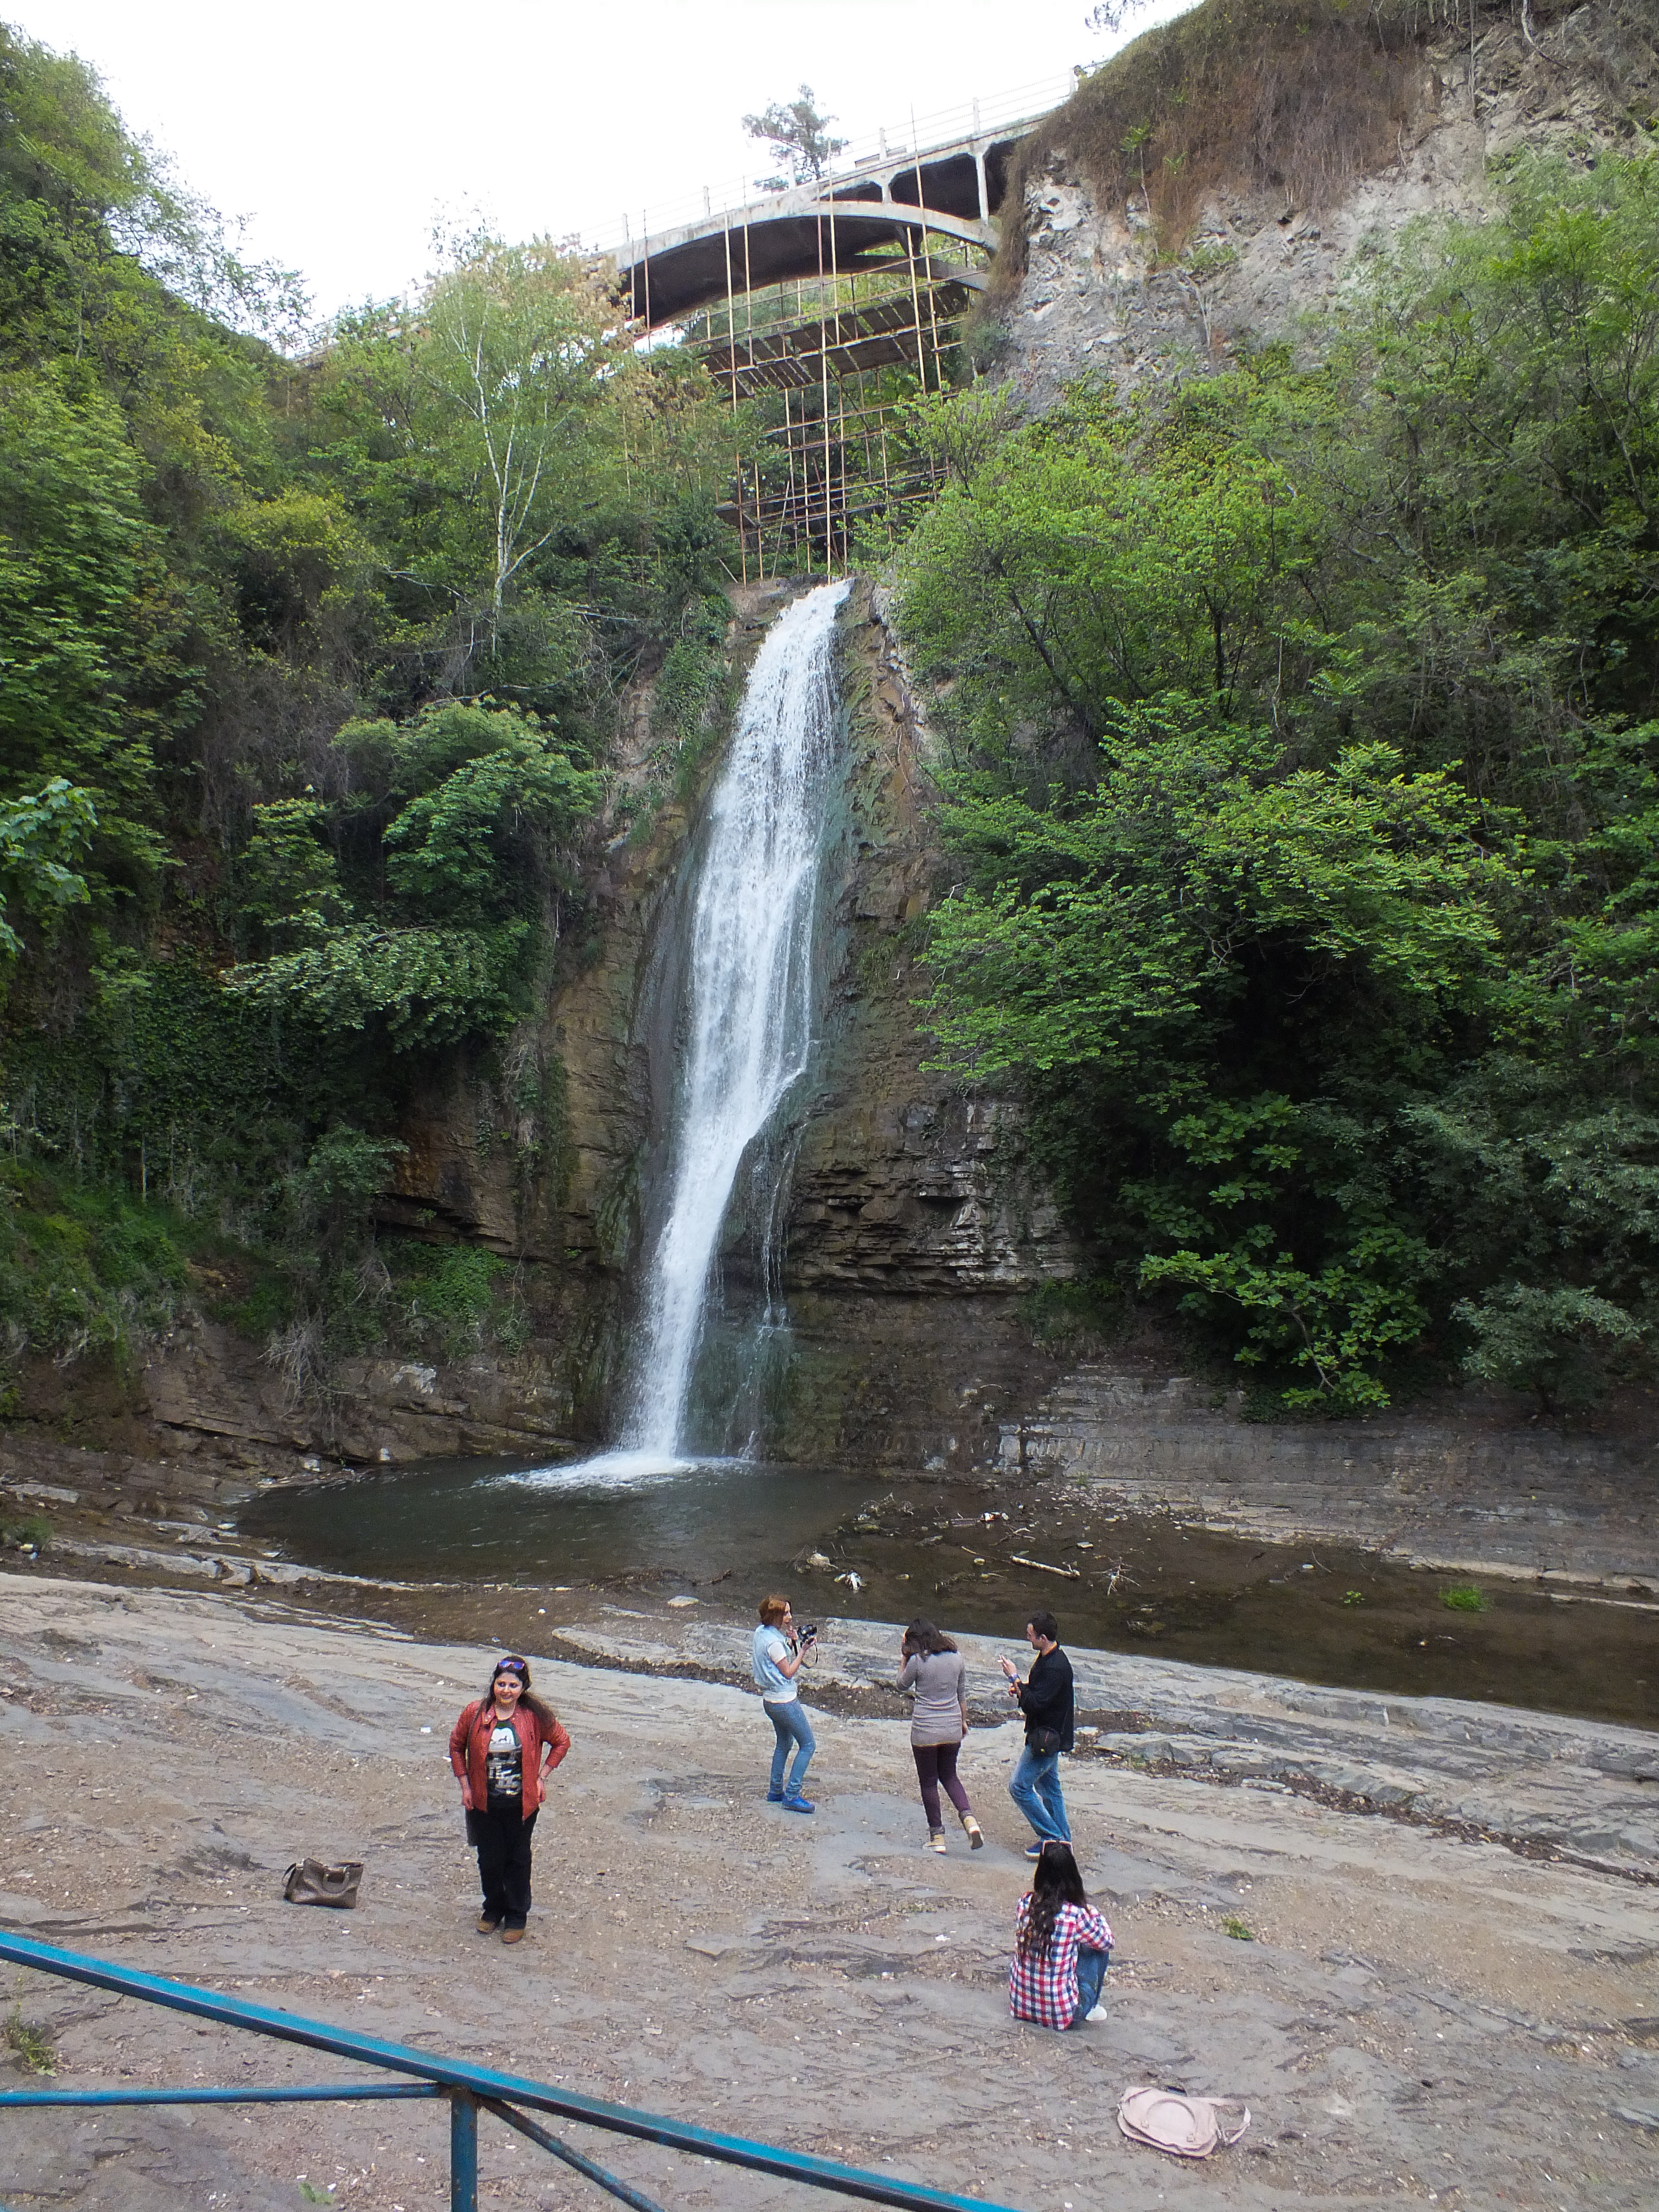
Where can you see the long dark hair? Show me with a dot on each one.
(922, 1640)
(1054, 1881)
(512, 1664)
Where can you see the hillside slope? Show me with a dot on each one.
(1215, 180)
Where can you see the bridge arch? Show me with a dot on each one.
(839, 224)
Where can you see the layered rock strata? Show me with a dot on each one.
(1497, 1498)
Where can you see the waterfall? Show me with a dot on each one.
(748, 1017)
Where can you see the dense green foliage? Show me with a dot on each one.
(1306, 724)
(310, 664)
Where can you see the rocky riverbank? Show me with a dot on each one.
(1410, 2010)
(1469, 1486)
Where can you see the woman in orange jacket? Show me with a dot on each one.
(497, 1749)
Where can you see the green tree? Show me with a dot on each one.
(1103, 556)
(798, 136)
(289, 879)
(1187, 965)
(79, 588)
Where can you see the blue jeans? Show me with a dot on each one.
(792, 1726)
(1034, 1786)
(1090, 1980)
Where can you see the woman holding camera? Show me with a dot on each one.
(934, 1670)
(776, 1660)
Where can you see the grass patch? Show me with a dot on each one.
(85, 1267)
(457, 1298)
(1070, 1317)
(1240, 1930)
(32, 1533)
(1464, 1597)
(32, 2043)
(82, 1266)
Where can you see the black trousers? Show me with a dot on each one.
(502, 1837)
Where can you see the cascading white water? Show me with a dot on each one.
(749, 1017)
(749, 1011)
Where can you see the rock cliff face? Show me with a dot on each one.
(914, 1222)
(911, 1226)
(1475, 1490)
(1098, 298)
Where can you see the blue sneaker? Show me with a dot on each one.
(774, 1796)
(1034, 1851)
(798, 1805)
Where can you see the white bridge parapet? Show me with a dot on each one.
(952, 187)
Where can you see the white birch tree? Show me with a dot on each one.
(517, 348)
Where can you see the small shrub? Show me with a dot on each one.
(32, 2043)
(33, 1533)
(1464, 1597)
(450, 1294)
(1240, 1930)
(1353, 1597)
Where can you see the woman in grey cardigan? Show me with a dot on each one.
(934, 1669)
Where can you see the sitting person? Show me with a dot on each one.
(1062, 1946)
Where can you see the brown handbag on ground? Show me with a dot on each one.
(308, 1881)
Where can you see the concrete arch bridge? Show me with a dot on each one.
(826, 303)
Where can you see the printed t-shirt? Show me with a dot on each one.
(770, 1646)
(504, 1764)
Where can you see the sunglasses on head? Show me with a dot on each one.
(512, 1667)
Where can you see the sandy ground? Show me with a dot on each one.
(1416, 2016)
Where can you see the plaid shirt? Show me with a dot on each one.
(1045, 1990)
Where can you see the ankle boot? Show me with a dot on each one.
(972, 1830)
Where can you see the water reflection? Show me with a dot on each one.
(623, 1514)
(516, 1547)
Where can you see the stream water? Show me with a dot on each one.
(505, 1552)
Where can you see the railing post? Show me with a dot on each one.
(463, 2152)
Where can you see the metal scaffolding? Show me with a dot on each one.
(821, 315)
(828, 365)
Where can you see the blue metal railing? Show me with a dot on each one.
(469, 2089)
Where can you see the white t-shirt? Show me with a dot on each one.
(770, 1646)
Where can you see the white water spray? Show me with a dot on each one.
(749, 1010)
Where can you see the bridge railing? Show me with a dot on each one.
(467, 2090)
(921, 134)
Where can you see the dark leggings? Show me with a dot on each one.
(937, 1763)
(502, 1838)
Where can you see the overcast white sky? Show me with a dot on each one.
(341, 127)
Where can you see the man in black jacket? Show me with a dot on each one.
(1045, 1698)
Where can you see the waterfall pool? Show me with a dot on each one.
(491, 1551)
